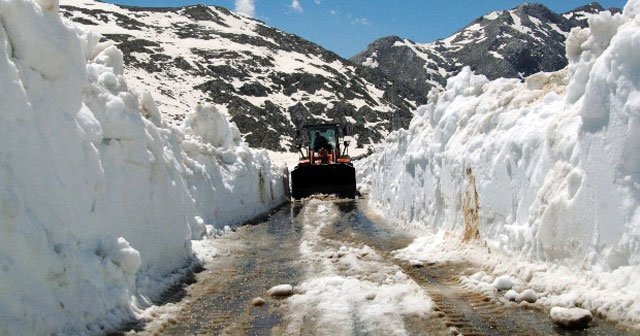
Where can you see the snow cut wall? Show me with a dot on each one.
(548, 169)
(98, 201)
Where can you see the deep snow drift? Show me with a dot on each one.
(547, 170)
(99, 198)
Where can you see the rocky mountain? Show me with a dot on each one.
(270, 81)
(511, 43)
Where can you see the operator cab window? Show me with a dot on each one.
(323, 139)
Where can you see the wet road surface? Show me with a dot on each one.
(258, 257)
(266, 254)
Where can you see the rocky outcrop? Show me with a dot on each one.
(270, 81)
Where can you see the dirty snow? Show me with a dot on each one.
(571, 317)
(348, 288)
(280, 290)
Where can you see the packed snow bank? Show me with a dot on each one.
(97, 197)
(547, 170)
(230, 182)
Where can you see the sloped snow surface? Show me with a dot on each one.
(99, 198)
(545, 170)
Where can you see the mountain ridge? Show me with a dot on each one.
(271, 81)
(511, 43)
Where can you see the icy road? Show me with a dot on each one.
(345, 281)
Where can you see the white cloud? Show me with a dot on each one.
(246, 7)
(317, 2)
(296, 6)
(334, 11)
(362, 21)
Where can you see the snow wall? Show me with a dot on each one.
(99, 199)
(546, 169)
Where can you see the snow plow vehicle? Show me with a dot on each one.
(323, 169)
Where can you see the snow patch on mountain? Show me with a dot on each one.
(371, 61)
(267, 79)
(492, 16)
(545, 170)
(511, 43)
(99, 199)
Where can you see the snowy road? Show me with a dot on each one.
(346, 282)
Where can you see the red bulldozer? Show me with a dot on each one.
(324, 169)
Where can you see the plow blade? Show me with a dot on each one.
(337, 179)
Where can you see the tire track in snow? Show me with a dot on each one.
(470, 313)
(349, 289)
(335, 259)
(458, 310)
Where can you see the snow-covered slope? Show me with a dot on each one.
(547, 169)
(511, 43)
(99, 198)
(270, 81)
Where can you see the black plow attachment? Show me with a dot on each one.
(334, 179)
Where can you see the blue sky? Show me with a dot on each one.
(348, 26)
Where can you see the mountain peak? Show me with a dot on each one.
(382, 42)
(593, 7)
(271, 82)
(510, 43)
